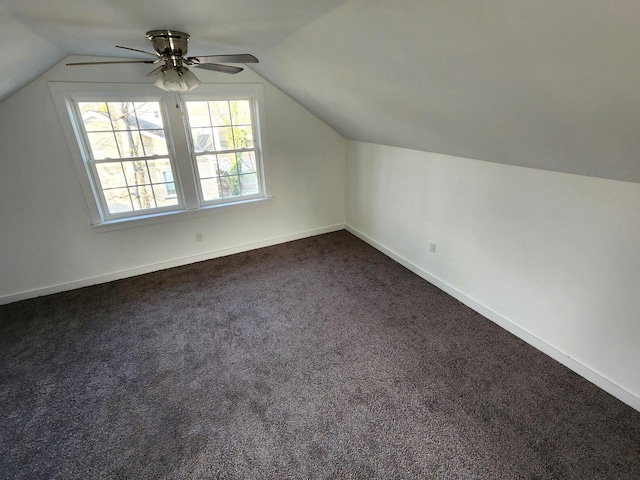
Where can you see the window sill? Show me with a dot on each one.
(164, 217)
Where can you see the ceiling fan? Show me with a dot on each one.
(171, 47)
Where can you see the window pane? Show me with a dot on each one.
(243, 137)
(130, 143)
(202, 139)
(224, 138)
(163, 196)
(170, 189)
(111, 175)
(249, 184)
(154, 142)
(169, 185)
(118, 200)
(142, 197)
(229, 186)
(148, 115)
(103, 145)
(136, 173)
(207, 166)
(246, 162)
(122, 115)
(157, 169)
(219, 113)
(240, 112)
(210, 190)
(168, 176)
(227, 164)
(198, 113)
(95, 116)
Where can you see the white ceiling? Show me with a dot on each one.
(39, 33)
(551, 84)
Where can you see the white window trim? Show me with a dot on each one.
(65, 94)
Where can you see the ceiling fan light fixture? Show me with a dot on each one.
(174, 79)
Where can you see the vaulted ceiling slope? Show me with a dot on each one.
(545, 84)
(39, 33)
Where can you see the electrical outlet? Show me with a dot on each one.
(432, 247)
(198, 237)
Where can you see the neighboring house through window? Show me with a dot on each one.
(169, 186)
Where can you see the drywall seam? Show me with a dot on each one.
(581, 369)
(109, 277)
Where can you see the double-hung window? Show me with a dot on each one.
(125, 144)
(144, 155)
(224, 148)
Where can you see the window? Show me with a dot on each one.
(128, 153)
(144, 155)
(225, 151)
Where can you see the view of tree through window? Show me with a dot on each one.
(129, 154)
(224, 147)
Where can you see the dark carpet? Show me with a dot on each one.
(319, 358)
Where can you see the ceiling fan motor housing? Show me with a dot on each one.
(170, 45)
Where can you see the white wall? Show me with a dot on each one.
(554, 258)
(47, 243)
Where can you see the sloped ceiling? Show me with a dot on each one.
(39, 33)
(550, 84)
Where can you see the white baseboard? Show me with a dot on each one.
(581, 369)
(61, 287)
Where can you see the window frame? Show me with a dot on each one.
(91, 164)
(180, 147)
(257, 134)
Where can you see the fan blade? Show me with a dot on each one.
(118, 61)
(240, 58)
(154, 71)
(136, 50)
(219, 68)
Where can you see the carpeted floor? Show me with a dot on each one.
(319, 358)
